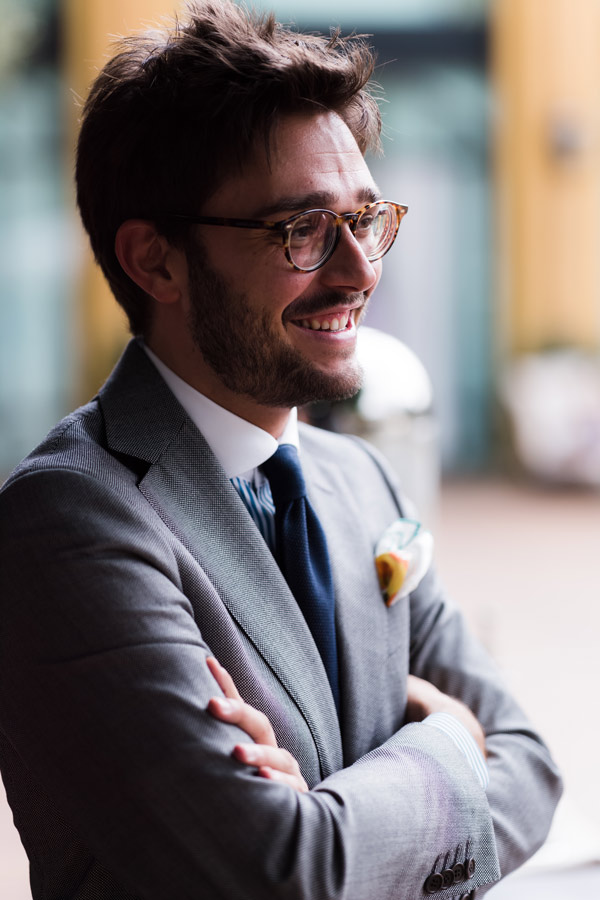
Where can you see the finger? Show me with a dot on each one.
(252, 721)
(264, 755)
(223, 678)
(294, 781)
(275, 763)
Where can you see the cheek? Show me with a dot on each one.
(279, 290)
(259, 272)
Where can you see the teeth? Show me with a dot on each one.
(337, 324)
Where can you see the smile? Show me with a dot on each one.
(333, 322)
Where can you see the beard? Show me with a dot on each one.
(246, 352)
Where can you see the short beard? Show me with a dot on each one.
(247, 356)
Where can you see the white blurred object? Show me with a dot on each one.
(395, 378)
(393, 412)
(553, 400)
(566, 866)
(574, 840)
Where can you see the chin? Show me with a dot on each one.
(315, 385)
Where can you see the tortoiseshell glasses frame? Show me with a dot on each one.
(310, 237)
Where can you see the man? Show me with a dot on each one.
(222, 181)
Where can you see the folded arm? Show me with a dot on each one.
(263, 753)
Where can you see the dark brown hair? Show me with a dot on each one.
(173, 112)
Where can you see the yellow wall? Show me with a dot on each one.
(91, 26)
(546, 74)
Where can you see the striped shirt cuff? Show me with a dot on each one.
(464, 741)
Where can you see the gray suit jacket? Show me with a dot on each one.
(126, 555)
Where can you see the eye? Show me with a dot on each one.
(365, 223)
(303, 232)
(375, 224)
(308, 229)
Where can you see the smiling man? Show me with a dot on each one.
(202, 691)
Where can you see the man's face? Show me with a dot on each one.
(278, 336)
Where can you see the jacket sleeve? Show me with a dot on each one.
(524, 785)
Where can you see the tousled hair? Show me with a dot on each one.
(174, 112)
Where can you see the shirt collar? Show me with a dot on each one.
(239, 445)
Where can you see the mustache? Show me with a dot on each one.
(304, 307)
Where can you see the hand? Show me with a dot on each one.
(272, 762)
(423, 698)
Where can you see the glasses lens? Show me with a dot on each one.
(311, 238)
(376, 230)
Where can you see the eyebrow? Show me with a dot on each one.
(313, 200)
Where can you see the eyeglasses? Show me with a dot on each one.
(310, 237)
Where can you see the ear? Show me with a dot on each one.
(150, 261)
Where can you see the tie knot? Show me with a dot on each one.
(285, 476)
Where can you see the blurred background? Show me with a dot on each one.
(484, 388)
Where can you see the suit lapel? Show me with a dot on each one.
(190, 491)
(361, 614)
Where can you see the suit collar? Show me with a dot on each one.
(239, 445)
(141, 416)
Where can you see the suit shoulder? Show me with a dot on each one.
(348, 450)
(75, 446)
(348, 460)
(319, 441)
(66, 481)
(64, 445)
(69, 489)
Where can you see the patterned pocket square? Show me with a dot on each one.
(402, 556)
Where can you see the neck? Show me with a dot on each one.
(192, 369)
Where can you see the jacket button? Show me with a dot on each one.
(470, 866)
(448, 876)
(434, 883)
(459, 873)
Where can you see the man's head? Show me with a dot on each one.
(200, 154)
(174, 114)
(280, 336)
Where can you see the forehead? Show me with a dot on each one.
(311, 155)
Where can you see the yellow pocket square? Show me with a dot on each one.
(402, 556)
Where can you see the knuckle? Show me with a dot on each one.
(291, 762)
(262, 720)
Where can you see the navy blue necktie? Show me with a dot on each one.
(302, 556)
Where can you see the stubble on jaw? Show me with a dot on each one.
(248, 356)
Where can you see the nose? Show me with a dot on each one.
(348, 268)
